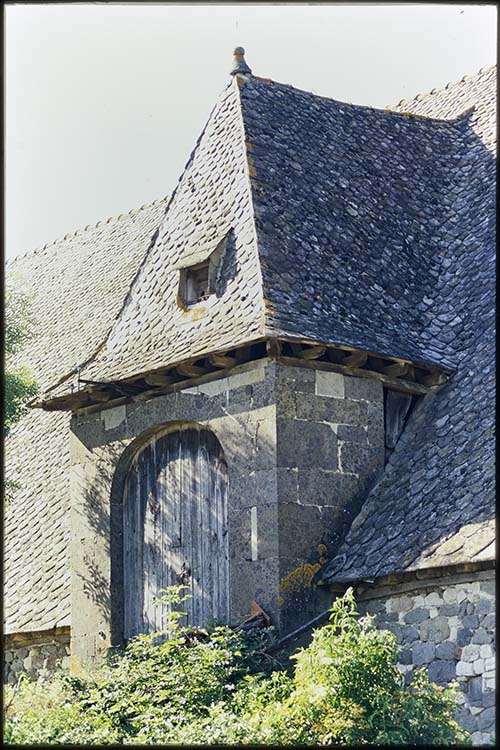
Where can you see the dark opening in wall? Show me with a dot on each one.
(207, 277)
(196, 283)
(397, 409)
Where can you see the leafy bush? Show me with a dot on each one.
(19, 382)
(216, 685)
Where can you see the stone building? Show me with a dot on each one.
(271, 385)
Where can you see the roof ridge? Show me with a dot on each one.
(111, 219)
(388, 110)
(449, 85)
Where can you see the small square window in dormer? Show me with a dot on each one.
(196, 283)
(203, 279)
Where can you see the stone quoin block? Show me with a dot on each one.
(306, 444)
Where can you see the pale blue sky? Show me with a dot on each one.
(104, 103)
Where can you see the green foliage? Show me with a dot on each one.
(216, 685)
(19, 383)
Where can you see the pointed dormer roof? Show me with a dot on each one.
(335, 214)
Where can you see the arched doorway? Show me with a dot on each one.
(175, 528)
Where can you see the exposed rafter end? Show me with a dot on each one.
(399, 375)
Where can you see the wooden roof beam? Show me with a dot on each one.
(305, 351)
(190, 370)
(159, 379)
(222, 361)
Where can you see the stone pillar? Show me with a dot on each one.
(330, 447)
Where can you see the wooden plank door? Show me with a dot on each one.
(175, 529)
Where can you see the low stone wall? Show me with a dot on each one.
(36, 655)
(448, 627)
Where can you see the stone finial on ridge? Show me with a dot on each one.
(239, 64)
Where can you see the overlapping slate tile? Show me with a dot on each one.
(348, 205)
(78, 288)
(211, 200)
(434, 504)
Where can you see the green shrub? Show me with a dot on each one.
(215, 685)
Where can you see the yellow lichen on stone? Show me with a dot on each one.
(251, 169)
(298, 580)
(194, 313)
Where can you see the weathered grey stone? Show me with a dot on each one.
(358, 459)
(410, 634)
(408, 677)
(486, 651)
(306, 444)
(484, 606)
(489, 698)
(433, 599)
(466, 719)
(489, 621)
(423, 653)
(395, 628)
(471, 621)
(324, 409)
(286, 402)
(475, 690)
(400, 604)
(287, 484)
(391, 617)
(464, 636)
(435, 630)
(419, 614)
(329, 384)
(352, 434)
(374, 606)
(449, 610)
(298, 376)
(318, 487)
(481, 636)
(362, 388)
(442, 671)
(314, 524)
(488, 587)
(445, 650)
(470, 653)
(486, 719)
(465, 668)
(405, 656)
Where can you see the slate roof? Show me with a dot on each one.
(434, 504)
(211, 199)
(335, 210)
(78, 289)
(302, 182)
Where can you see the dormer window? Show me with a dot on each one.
(196, 283)
(203, 278)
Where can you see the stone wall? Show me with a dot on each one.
(36, 655)
(301, 446)
(330, 447)
(446, 626)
